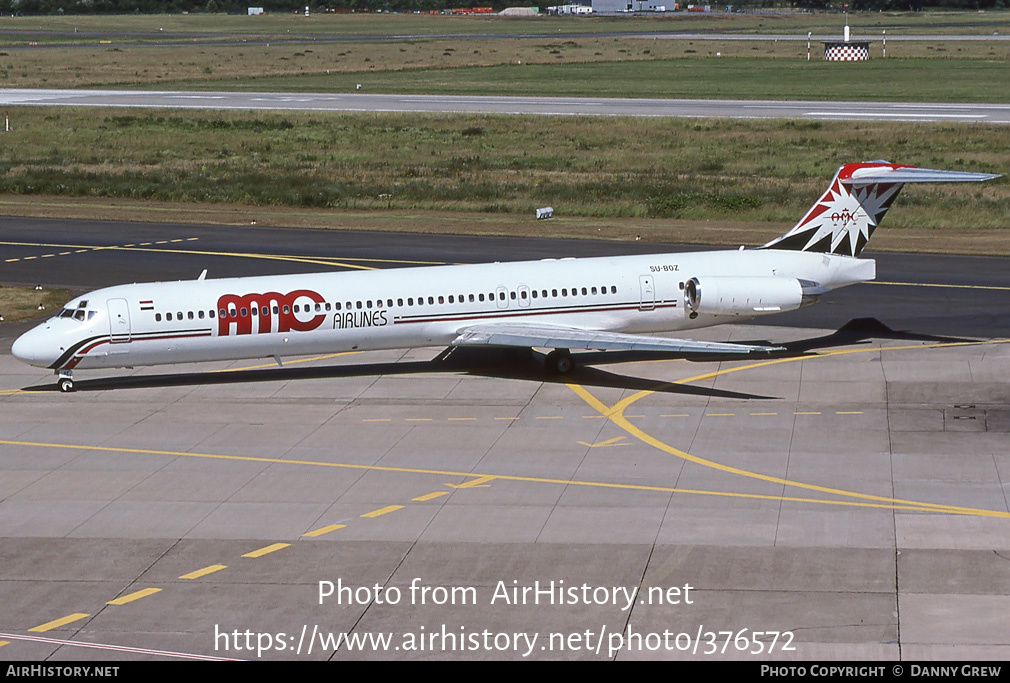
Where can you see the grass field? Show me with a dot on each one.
(591, 167)
(716, 181)
(969, 71)
(329, 53)
(23, 303)
(726, 77)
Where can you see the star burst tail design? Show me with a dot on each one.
(844, 218)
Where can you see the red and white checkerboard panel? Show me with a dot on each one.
(846, 52)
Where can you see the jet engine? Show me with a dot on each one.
(742, 295)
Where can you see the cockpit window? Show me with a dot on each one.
(77, 313)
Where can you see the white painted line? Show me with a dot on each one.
(116, 648)
(903, 115)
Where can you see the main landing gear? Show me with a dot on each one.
(559, 361)
(66, 381)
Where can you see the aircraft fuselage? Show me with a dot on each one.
(292, 315)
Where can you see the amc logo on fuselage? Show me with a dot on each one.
(297, 311)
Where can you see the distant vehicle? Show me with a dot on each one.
(594, 303)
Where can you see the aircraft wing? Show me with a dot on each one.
(556, 337)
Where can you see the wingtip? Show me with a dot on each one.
(768, 350)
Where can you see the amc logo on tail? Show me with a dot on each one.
(294, 311)
(844, 217)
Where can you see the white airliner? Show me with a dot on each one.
(592, 303)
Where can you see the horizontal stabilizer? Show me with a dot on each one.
(556, 337)
(868, 176)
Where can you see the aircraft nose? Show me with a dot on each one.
(24, 348)
(35, 348)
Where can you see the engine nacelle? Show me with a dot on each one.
(743, 295)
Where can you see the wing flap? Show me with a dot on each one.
(555, 337)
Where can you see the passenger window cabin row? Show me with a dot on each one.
(522, 294)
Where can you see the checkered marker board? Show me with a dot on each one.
(846, 52)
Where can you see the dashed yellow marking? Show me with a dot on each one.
(419, 419)
(324, 261)
(430, 496)
(763, 414)
(506, 418)
(604, 444)
(70, 251)
(204, 572)
(593, 417)
(333, 261)
(479, 483)
(930, 284)
(323, 530)
(56, 623)
(134, 596)
(811, 412)
(714, 415)
(382, 511)
(848, 412)
(290, 362)
(266, 550)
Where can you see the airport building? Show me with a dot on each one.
(614, 7)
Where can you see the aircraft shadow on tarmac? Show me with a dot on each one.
(520, 364)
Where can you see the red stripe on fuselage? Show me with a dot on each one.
(492, 315)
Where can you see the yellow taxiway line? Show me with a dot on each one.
(874, 502)
(615, 414)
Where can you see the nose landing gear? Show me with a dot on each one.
(66, 381)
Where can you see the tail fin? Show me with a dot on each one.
(844, 218)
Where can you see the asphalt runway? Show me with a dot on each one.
(554, 106)
(843, 504)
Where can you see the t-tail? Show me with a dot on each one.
(844, 218)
